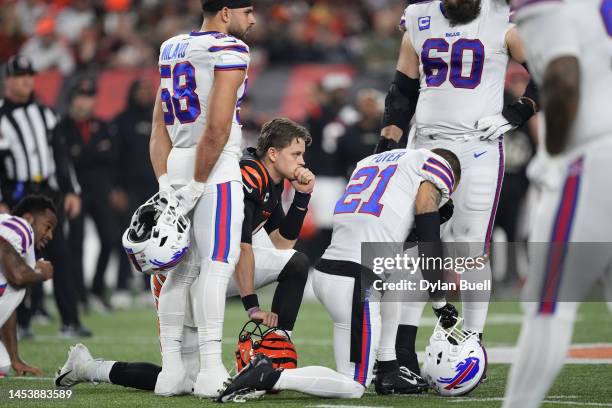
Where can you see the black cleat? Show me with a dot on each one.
(402, 381)
(253, 381)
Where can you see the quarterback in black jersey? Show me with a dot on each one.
(279, 156)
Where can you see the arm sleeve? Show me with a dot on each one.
(544, 46)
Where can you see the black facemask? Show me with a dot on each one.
(461, 11)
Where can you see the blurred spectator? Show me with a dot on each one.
(132, 129)
(11, 36)
(519, 147)
(46, 50)
(359, 139)
(73, 19)
(34, 161)
(326, 121)
(92, 151)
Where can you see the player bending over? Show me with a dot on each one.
(279, 156)
(387, 195)
(29, 227)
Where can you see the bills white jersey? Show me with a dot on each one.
(582, 28)
(19, 234)
(462, 68)
(378, 204)
(187, 65)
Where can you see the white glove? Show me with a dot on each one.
(189, 195)
(165, 188)
(493, 127)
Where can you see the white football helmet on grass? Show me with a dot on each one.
(158, 236)
(455, 361)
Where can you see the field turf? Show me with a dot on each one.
(131, 336)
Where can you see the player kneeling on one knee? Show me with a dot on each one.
(407, 189)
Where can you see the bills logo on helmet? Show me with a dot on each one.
(176, 258)
(465, 371)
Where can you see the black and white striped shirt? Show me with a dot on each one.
(30, 149)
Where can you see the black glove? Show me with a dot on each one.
(447, 315)
(519, 112)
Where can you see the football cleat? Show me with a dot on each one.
(402, 381)
(173, 383)
(71, 372)
(209, 381)
(252, 382)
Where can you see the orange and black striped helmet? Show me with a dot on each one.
(273, 342)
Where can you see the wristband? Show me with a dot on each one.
(252, 311)
(250, 301)
(301, 200)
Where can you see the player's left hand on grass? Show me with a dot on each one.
(447, 314)
(304, 180)
(22, 368)
(267, 318)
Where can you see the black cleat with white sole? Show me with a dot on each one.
(400, 381)
(253, 381)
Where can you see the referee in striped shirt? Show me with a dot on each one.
(34, 160)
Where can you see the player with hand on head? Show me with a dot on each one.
(450, 76)
(195, 152)
(29, 227)
(267, 256)
(387, 195)
(569, 49)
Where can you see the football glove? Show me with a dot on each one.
(514, 115)
(447, 314)
(189, 195)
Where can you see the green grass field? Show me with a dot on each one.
(131, 336)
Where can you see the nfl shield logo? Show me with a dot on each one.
(424, 23)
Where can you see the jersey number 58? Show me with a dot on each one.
(183, 102)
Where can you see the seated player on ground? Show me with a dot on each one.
(388, 194)
(29, 227)
(267, 248)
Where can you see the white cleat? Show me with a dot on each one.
(71, 373)
(210, 381)
(171, 383)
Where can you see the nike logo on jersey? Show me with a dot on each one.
(250, 190)
(231, 41)
(477, 155)
(457, 34)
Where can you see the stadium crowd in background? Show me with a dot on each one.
(84, 35)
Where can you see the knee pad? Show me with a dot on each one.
(296, 269)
